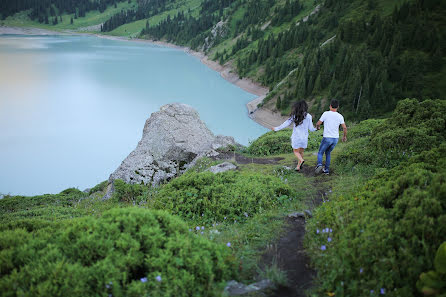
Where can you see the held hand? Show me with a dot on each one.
(344, 139)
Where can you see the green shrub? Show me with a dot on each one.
(72, 191)
(433, 283)
(128, 192)
(274, 143)
(385, 235)
(363, 129)
(121, 253)
(207, 198)
(99, 187)
(414, 127)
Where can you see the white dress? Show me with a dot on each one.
(299, 138)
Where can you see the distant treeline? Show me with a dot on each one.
(373, 62)
(145, 9)
(43, 10)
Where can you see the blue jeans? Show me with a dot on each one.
(327, 145)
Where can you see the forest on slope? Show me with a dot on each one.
(368, 54)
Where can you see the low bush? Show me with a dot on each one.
(414, 127)
(433, 283)
(207, 197)
(274, 143)
(384, 236)
(363, 129)
(33, 213)
(133, 193)
(99, 187)
(125, 252)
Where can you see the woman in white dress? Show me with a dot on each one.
(302, 122)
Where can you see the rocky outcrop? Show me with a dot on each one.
(173, 138)
(218, 31)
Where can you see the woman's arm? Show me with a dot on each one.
(310, 123)
(284, 125)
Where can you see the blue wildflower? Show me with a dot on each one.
(228, 244)
(158, 278)
(382, 291)
(361, 270)
(197, 228)
(323, 247)
(317, 231)
(329, 239)
(144, 279)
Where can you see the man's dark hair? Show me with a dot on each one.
(334, 103)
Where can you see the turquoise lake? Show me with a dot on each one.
(73, 107)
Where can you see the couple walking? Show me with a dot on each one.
(303, 122)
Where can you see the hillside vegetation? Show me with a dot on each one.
(378, 231)
(367, 54)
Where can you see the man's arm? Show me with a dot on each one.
(344, 127)
(318, 125)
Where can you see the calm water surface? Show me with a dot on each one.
(73, 107)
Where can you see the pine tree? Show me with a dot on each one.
(278, 103)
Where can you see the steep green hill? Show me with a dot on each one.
(368, 54)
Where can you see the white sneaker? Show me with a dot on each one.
(326, 172)
(318, 169)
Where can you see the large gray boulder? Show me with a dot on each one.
(173, 138)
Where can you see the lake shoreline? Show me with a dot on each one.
(263, 116)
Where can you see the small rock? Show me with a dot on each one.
(308, 213)
(234, 288)
(296, 215)
(226, 166)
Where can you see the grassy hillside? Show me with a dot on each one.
(367, 54)
(378, 228)
(92, 18)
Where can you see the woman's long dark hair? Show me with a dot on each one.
(299, 112)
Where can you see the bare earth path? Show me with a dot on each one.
(288, 252)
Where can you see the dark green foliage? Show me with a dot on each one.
(363, 129)
(274, 143)
(433, 283)
(391, 229)
(144, 10)
(128, 192)
(413, 127)
(99, 187)
(39, 9)
(33, 213)
(120, 253)
(386, 234)
(72, 191)
(208, 198)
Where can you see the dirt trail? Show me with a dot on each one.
(288, 252)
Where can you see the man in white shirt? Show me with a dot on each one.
(331, 120)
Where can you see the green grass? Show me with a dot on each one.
(133, 29)
(91, 18)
